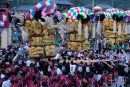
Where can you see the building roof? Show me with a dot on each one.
(104, 6)
(88, 6)
(63, 2)
(27, 7)
(24, 7)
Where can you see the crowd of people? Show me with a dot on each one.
(109, 68)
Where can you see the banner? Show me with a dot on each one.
(4, 20)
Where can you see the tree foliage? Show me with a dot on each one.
(123, 4)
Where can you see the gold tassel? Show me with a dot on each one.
(93, 30)
(79, 28)
(114, 26)
(119, 29)
(86, 32)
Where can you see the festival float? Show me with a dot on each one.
(114, 25)
(127, 24)
(79, 23)
(45, 20)
(41, 38)
(78, 38)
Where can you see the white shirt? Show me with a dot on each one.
(2, 76)
(6, 83)
(37, 64)
(41, 74)
(127, 57)
(120, 55)
(58, 71)
(28, 62)
(20, 49)
(80, 55)
(80, 68)
(111, 56)
(26, 47)
(72, 69)
(87, 69)
(20, 62)
(69, 53)
(49, 69)
(57, 56)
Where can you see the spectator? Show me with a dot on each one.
(58, 71)
(7, 82)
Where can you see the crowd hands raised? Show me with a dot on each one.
(107, 68)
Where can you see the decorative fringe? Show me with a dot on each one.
(114, 26)
(98, 30)
(79, 28)
(86, 32)
(126, 29)
(119, 29)
(93, 30)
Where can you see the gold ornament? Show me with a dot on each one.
(37, 27)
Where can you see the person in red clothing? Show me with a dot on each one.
(37, 74)
(1, 80)
(55, 84)
(33, 82)
(53, 72)
(20, 83)
(106, 79)
(92, 82)
(78, 81)
(64, 81)
(14, 83)
(29, 76)
(48, 80)
(110, 79)
(30, 83)
(50, 62)
(7, 10)
(28, 16)
(103, 80)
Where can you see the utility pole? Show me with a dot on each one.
(22, 2)
(93, 2)
(112, 3)
(18, 3)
